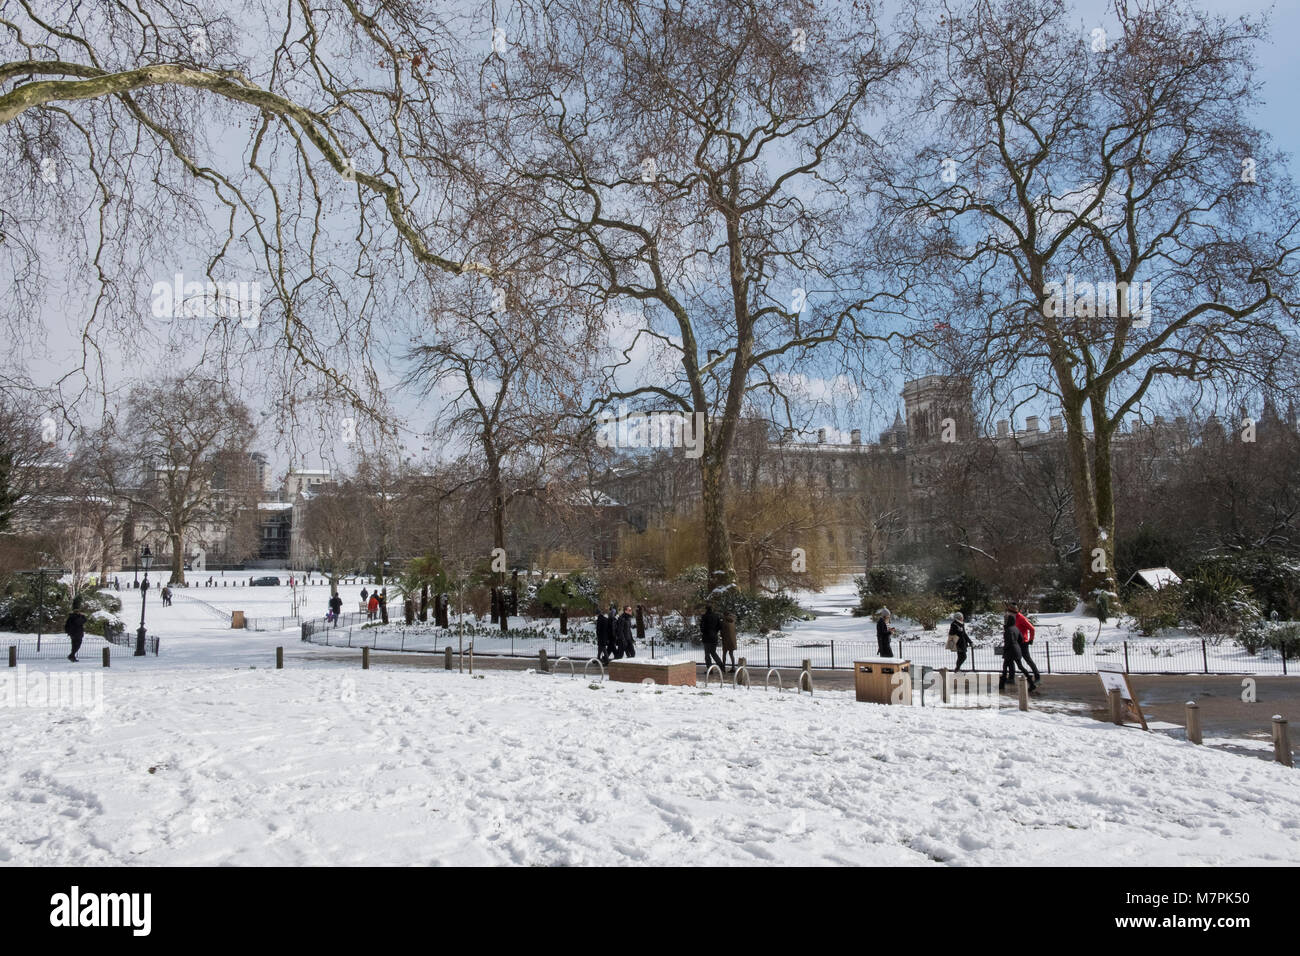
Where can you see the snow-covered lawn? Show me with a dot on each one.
(206, 754)
(200, 758)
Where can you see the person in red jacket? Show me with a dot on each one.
(1026, 638)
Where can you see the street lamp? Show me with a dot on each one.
(146, 562)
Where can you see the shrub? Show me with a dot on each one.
(892, 579)
(1079, 642)
(926, 609)
(680, 629)
(985, 626)
(1101, 606)
(20, 607)
(1281, 636)
(1058, 601)
(1218, 603)
(968, 593)
(1150, 611)
(1273, 579)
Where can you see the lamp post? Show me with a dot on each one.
(146, 562)
(135, 567)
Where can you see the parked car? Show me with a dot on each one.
(269, 582)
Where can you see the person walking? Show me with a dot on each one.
(710, 631)
(1011, 658)
(883, 633)
(75, 628)
(336, 605)
(364, 595)
(372, 608)
(604, 636)
(1025, 637)
(729, 639)
(958, 639)
(623, 633)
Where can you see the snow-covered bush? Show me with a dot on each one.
(1281, 636)
(1058, 601)
(1151, 611)
(1218, 603)
(925, 609)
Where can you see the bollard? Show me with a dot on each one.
(106, 657)
(541, 661)
(365, 658)
(1193, 722)
(564, 619)
(1281, 742)
(1022, 691)
(1116, 707)
(13, 656)
(279, 658)
(446, 660)
(943, 677)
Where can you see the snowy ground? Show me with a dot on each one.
(206, 754)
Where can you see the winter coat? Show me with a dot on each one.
(958, 630)
(1024, 628)
(1010, 639)
(710, 626)
(373, 603)
(604, 631)
(336, 603)
(75, 626)
(729, 633)
(623, 633)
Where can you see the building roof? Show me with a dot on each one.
(1157, 578)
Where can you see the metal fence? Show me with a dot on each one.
(1188, 656)
(53, 647)
(270, 623)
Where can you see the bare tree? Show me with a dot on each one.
(160, 461)
(700, 161)
(1114, 224)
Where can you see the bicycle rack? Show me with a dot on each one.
(709, 673)
(564, 660)
(767, 681)
(735, 677)
(805, 677)
(587, 667)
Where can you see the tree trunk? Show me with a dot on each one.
(713, 479)
(178, 559)
(1095, 544)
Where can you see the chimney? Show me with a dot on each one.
(1031, 424)
(855, 436)
(1056, 423)
(821, 436)
(1004, 429)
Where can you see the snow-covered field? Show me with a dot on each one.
(206, 754)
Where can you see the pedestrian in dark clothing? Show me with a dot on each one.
(1025, 635)
(883, 633)
(710, 631)
(729, 639)
(1011, 658)
(75, 628)
(958, 639)
(604, 636)
(336, 605)
(364, 595)
(623, 633)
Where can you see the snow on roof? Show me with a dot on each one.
(1157, 578)
(275, 506)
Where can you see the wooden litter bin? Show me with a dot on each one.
(236, 619)
(883, 680)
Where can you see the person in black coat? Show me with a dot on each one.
(604, 636)
(1011, 658)
(963, 643)
(710, 629)
(336, 605)
(883, 633)
(623, 634)
(75, 628)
